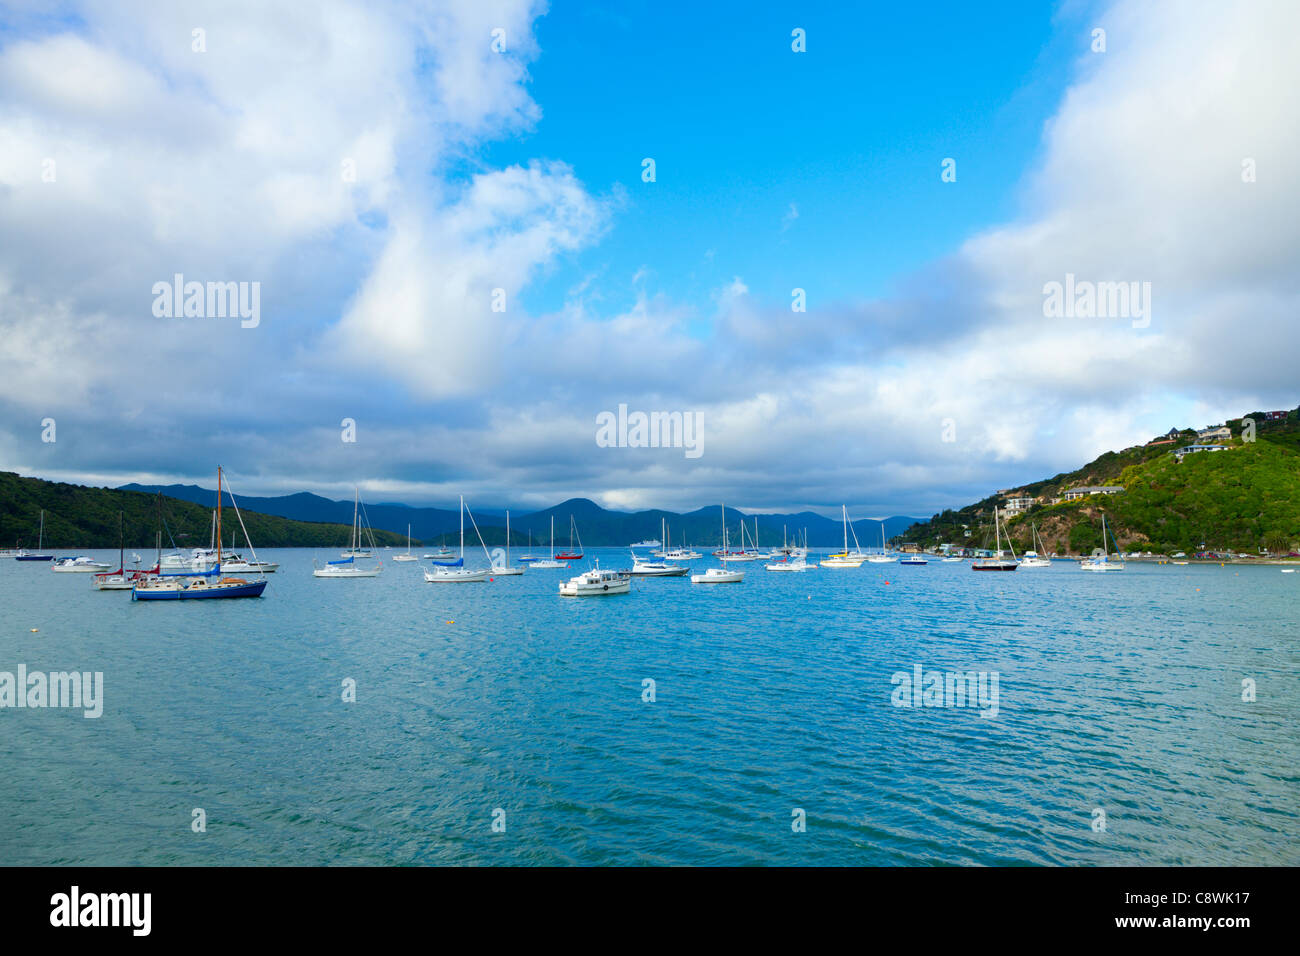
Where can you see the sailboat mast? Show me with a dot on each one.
(507, 537)
(462, 527)
(218, 518)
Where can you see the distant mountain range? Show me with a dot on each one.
(597, 526)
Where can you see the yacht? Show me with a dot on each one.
(997, 562)
(80, 565)
(549, 562)
(846, 558)
(347, 567)
(597, 583)
(720, 575)
(1103, 561)
(455, 572)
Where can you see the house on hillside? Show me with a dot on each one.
(1215, 434)
(1018, 504)
(1073, 494)
(1275, 416)
(1181, 453)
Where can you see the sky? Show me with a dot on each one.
(458, 248)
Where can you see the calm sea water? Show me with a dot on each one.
(1118, 692)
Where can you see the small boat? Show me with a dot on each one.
(913, 559)
(951, 560)
(997, 562)
(442, 552)
(550, 562)
(657, 569)
(407, 556)
(597, 583)
(793, 563)
(884, 557)
(720, 575)
(508, 569)
(571, 555)
(646, 544)
(79, 565)
(846, 558)
(455, 572)
(40, 544)
(347, 566)
(121, 579)
(1102, 561)
(187, 587)
(1032, 559)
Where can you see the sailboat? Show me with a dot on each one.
(1034, 559)
(407, 556)
(572, 555)
(1102, 562)
(508, 568)
(121, 579)
(194, 587)
(846, 558)
(529, 557)
(884, 557)
(720, 575)
(550, 562)
(347, 567)
(40, 544)
(997, 562)
(455, 572)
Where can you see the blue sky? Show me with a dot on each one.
(475, 171)
(851, 133)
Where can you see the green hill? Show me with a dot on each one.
(80, 517)
(1245, 499)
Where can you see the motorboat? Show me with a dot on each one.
(597, 583)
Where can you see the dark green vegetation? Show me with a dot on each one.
(81, 517)
(1245, 499)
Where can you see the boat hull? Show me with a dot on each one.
(196, 592)
(455, 576)
(995, 566)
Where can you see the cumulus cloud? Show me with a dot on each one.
(378, 293)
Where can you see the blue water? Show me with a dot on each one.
(1121, 692)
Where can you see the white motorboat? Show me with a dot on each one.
(79, 565)
(720, 575)
(347, 567)
(794, 563)
(657, 569)
(913, 559)
(597, 583)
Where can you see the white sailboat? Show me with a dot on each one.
(347, 567)
(1034, 559)
(550, 562)
(1103, 562)
(407, 556)
(846, 558)
(720, 575)
(508, 569)
(884, 557)
(459, 574)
